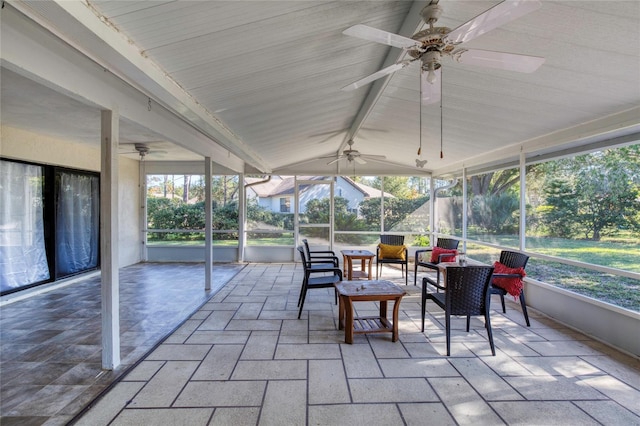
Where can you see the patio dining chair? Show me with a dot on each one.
(507, 279)
(328, 276)
(320, 258)
(444, 250)
(467, 293)
(392, 250)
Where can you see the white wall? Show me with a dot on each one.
(349, 192)
(608, 323)
(22, 145)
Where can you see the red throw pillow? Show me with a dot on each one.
(437, 251)
(514, 285)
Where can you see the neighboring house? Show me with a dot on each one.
(278, 193)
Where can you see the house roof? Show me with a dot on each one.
(286, 186)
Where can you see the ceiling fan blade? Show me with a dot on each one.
(360, 160)
(335, 160)
(498, 15)
(380, 36)
(431, 92)
(500, 60)
(376, 75)
(373, 157)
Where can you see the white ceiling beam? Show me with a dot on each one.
(412, 24)
(33, 52)
(81, 27)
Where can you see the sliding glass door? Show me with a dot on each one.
(49, 224)
(23, 258)
(77, 222)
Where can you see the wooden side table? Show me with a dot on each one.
(366, 259)
(368, 291)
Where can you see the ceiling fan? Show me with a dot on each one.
(432, 44)
(143, 150)
(353, 155)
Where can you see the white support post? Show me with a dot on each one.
(523, 200)
(142, 178)
(242, 217)
(208, 212)
(465, 202)
(381, 205)
(432, 208)
(110, 283)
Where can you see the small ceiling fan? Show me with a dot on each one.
(353, 155)
(432, 44)
(143, 150)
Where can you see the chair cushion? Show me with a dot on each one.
(391, 252)
(437, 251)
(513, 285)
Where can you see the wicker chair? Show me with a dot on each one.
(467, 293)
(329, 276)
(393, 240)
(511, 259)
(445, 243)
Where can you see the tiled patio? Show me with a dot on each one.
(50, 354)
(244, 358)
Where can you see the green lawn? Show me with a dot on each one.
(620, 253)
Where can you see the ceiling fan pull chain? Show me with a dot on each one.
(441, 111)
(420, 112)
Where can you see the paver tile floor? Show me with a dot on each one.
(244, 358)
(50, 343)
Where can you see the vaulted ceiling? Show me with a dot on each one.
(263, 78)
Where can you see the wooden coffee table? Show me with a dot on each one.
(368, 291)
(366, 259)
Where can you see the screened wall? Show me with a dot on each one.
(581, 224)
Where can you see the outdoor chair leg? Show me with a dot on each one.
(304, 294)
(302, 291)
(504, 309)
(424, 300)
(524, 308)
(447, 323)
(489, 333)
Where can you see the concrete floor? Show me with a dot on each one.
(245, 358)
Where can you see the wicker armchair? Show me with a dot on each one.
(401, 259)
(511, 259)
(467, 293)
(329, 276)
(445, 243)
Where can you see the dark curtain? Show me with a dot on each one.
(77, 222)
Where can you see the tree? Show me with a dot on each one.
(395, 185)
(595, 194)
(493, 201)
(494, 183)
(607, 197)
(561, 203)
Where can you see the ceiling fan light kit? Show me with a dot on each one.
(433, 43)
(353, 155)
(142, 149)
